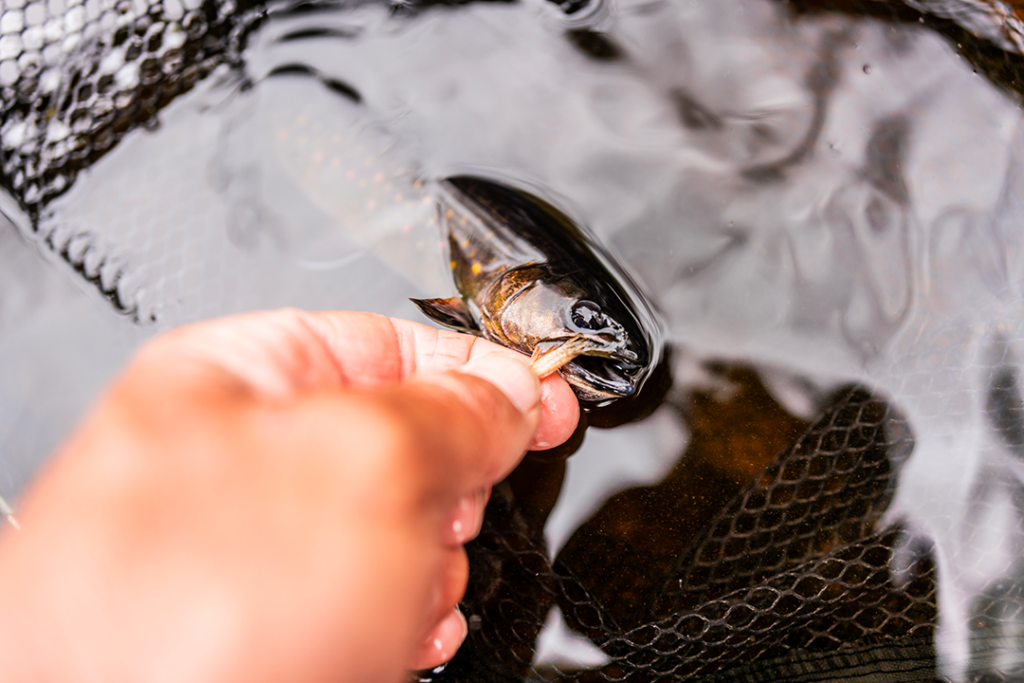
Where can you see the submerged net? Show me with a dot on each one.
(796, 578)
(796, 563)
(76, 76)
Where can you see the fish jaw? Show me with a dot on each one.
(594, 388)
(595, 371)
(547, 362)
(564, 331)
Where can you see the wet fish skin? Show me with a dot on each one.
(529, 279)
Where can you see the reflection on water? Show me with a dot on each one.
(813, 200)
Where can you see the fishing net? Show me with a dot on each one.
(77, 77)
(797, 577)
(796, 562)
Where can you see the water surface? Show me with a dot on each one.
(812, 201)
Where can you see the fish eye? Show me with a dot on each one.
(586, 315)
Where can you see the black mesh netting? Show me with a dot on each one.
(77, 78)
(795, 563)
(77, 75)
(794, 579)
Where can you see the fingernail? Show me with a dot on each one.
(467, 517)
(515, 379)
(444, 641)
(455, 629)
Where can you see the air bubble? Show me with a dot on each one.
(70, 43)
(74, 20)
(12, 21)
(57, 131)
(16, 133)
(35, 14)
(173, 9)
(112, 61)
(127, 76)
(10, 47)
(9, 73)
(32, 38)
(52, 55)
(50, 80)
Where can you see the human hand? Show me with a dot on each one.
(275, 496)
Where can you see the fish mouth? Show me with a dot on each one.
(600, 379)
(597, 368)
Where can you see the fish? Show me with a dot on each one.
(529, 278)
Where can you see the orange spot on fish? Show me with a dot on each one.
(379, 177)
(398, 197)
(371, 205)
(406, 228)
(476, 268)
(453, 263)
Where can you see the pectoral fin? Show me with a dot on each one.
(448, 312)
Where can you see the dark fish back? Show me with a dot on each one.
(526, 222)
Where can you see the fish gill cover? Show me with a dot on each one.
(828, 191)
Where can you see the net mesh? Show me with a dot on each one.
(76, 76)
(797, 561)
(99, 70)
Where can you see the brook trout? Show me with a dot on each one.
(529, 279)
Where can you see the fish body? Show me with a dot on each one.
(529, 279)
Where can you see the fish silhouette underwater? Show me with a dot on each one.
(529, 279)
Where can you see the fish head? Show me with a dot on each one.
(562, 328)
(608, 360)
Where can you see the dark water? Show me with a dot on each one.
(822, 200)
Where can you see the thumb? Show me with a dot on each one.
(475, 422)
(511, 376)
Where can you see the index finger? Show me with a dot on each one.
(371, 350)
(286, 353)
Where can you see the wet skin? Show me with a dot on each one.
(529, 279)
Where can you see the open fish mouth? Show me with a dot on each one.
(596, 368)
(551, 354)
(601, 379)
